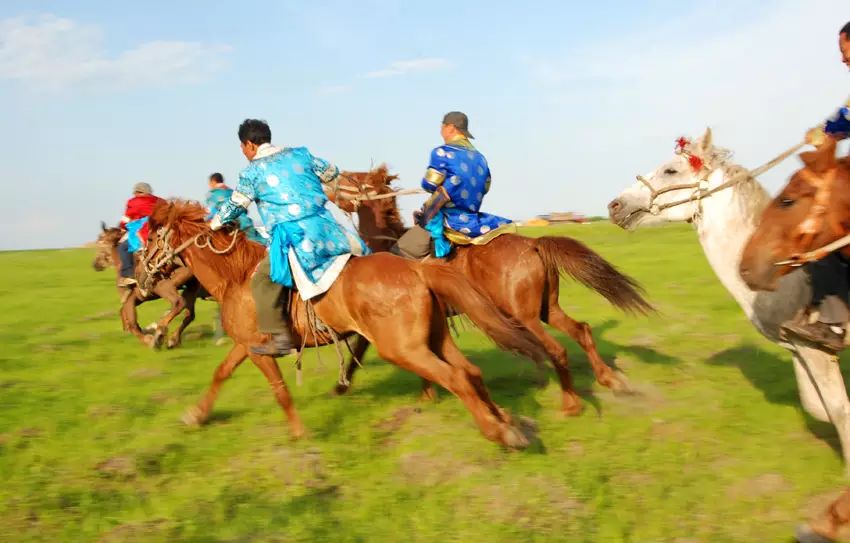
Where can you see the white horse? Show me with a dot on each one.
(724, 218)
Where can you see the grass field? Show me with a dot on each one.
(713, 449)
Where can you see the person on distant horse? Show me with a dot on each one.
(220, 193)
(308, 248)
(457, 177)
(135, 222)
(829, 276)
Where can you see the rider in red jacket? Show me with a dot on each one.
(139, 208)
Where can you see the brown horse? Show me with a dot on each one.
(394, 303)
(167, 289)
(812, 211)
(520, 274)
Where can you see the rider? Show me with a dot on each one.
(135, 222)
(218, 194)
(829, 276)
(307, 242)
(457, 177)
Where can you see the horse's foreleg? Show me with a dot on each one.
(190, 297)
(581, 333)
(825, 373)
(130, 321)
(166, 290)
(810, 398)
(198, 414)
(271, 370)
(361, 344)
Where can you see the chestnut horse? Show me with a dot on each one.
(394, 303)
(811, 211)
(167, 289)
(520, 274)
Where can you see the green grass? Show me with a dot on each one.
(714, 449)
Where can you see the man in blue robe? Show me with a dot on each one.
(220, 193)
(308, 246)
(457, 177)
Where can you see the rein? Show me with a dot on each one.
(169, 253)
(701, 190)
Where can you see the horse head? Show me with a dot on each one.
(662, 194)
(811, 211)
(106, 243)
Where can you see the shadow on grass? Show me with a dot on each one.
(514, 382)
(773, 375)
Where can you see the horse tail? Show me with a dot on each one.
(565, 256)
(454, 289)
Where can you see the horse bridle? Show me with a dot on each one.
(153, 264)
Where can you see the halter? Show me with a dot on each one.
(153, 264)
(700, 188)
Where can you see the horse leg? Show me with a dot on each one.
(809, 397)
(190, 297)
(489, 417)
(130, 321)
(570, 400)
(825, 373)
(361, 344)
(166, 290)
(271, 370)
(581, 334)
(198, 414)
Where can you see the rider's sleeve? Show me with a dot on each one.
(487, 181)
(437, 170)
(324, 170)
(838, 126)
(240, 199)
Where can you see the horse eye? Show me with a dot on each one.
(786, 202)
(670, 171)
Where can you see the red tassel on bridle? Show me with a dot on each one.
(696, 162)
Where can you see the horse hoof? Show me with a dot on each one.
(194, 416)
(297, 431)
(805, 534)
(341, 389)
(573, 410)
(150, 341)
(428, 395)
(173, 343)
(514, 438)
(527, 424)
(621, 385)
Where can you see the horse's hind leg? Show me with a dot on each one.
(570, 400)
(198, 414)
(361, 344)
(271, 370)
(582, 334)
(489, 417)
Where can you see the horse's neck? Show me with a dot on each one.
(724, 227)
(203, 269)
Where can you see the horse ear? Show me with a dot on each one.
(706, 143)
(823, 159)
(103, 225)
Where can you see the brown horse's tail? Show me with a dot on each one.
(563, 255)
(453, 288)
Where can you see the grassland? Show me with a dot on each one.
(713, 449)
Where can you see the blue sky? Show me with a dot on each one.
(568, 100)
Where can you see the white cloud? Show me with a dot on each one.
(54, 53)
(404, 67)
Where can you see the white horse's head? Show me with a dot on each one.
(636, 207)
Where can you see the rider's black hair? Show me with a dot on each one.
(255, 131)
(217, 177)
(846, 30)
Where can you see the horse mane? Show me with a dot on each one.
(386, 209)
(749, 192)
(187, 219)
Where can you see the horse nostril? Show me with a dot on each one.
(614, 206)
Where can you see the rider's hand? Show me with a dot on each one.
(816, 137)
(417, 216)
(215, 223)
